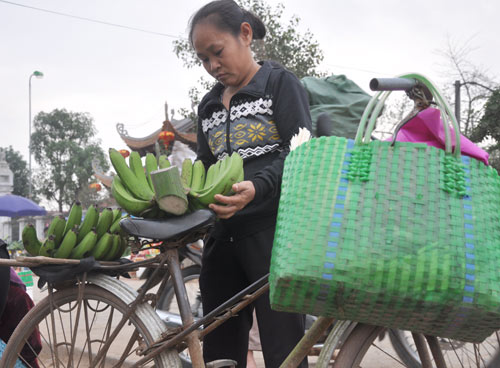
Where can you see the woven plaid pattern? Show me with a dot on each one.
(405, 237)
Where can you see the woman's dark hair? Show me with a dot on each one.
(226, 15)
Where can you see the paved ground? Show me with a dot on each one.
(375, 359)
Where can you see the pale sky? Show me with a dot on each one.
(119, 75)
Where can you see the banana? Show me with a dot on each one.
(135, 163)
(67, 244)
(84, 248)
(163, 162)
(187, 173)
(128, 202)
(89, 222)
(210, 175)
(48, 247)
(198, 180)
(30, 240)
(115, 227)
(224, 181)
(224, 163)
(74, 218)
(123, 246)
(151, 165)
(102, 247)
(218, 165)
(56, 228)
(104, 222)
(129, 179)
(114, 248)
(117, 213)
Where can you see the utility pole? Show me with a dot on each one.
(36, 74)
(457, 101)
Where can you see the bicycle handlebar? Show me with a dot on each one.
(392, 84)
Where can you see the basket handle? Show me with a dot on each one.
(374, 107)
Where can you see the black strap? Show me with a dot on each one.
(59, 273)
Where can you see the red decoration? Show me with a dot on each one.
(166, 137)
(96, 186)
(124, 153)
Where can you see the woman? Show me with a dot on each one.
(254, 109)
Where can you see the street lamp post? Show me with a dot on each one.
(36, 74)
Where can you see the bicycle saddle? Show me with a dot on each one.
(170, 228)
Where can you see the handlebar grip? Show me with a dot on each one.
(392, 84)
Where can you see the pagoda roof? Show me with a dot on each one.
(146, 144)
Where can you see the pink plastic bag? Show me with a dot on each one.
(427, 128)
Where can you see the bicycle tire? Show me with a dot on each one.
(98, 303)
(452, 350)
(356, 345)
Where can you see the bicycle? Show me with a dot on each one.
(108, 307)
(82, 318)
(83, 322)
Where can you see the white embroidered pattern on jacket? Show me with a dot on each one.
(260, 106)
(258, 151)
(222, 156)
(217, 118)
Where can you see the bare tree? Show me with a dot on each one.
(396, 108)
(474, 83)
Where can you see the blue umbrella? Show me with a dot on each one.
(12, 205)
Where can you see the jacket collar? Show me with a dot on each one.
(255, 87)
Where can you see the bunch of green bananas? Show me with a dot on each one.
(98, 235)
(132, 187)
(133, 190)
(218, 179)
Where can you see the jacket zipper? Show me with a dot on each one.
(228, 129)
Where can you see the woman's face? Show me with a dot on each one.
(225, 57)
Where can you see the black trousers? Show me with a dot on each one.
(4, 276)
(227, 268)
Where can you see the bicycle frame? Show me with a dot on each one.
(190, 331)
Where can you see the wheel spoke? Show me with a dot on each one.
(87, 335)
(128, 349)
(82, 328)
(389, 355)
(63, 330)
(54, 336)
(107, 332)
(81, 286)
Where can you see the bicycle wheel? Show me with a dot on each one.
(73, 334)
(456, 353)
(355, 349)
(167, 300)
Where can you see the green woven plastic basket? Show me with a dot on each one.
(404, 236)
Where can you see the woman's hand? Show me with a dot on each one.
(244, 193)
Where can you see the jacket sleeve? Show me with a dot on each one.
(290, 112)
(203, 151)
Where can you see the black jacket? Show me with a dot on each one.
(262, 118)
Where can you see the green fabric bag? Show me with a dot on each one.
(342, 99)
(404, 236)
